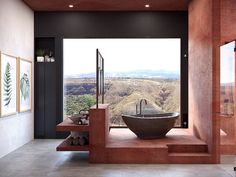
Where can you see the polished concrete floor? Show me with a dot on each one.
(39, 159)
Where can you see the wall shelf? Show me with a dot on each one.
(68, 125)
(66, 146)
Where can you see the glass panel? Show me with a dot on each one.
(227, 78)
(100, 78)
(227, 86)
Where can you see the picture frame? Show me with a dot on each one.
(24, 85)
(8, 84)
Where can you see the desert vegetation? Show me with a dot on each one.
(227, 98)
(163, 95)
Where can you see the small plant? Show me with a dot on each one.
(40, 52)
(162, 97)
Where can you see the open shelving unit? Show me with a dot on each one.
(98, 129)
(66, 126)
(66, 146)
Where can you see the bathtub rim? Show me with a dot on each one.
(153, 116)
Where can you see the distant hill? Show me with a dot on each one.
(227, 84)
(133, 74)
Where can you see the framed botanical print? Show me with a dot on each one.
(8, 76)
(25, 85)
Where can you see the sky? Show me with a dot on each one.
(227, 66)
(121, 55)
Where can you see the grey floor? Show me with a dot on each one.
(39, 159)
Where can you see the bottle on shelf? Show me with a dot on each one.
(52, 59)
(40, 55)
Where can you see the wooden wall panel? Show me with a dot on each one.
(108, 5)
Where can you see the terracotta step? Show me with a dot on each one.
(187, 148)
(190, 158)
(135, 145)
(141, 155)
(189, 154)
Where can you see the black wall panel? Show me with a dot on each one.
(110, 25)
(39, 123)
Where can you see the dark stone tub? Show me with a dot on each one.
(150, 126)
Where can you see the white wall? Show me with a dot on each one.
(16, 38)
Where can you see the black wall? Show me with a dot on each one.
(112, 25)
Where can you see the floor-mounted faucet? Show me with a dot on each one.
(140, 106)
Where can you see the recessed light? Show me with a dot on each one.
(147, 5)
(71, 6)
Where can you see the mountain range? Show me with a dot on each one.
(132, 74)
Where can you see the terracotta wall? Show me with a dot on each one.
(203, 64)
(228, 20)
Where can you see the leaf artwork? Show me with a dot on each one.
(25, 86)
(7, 85)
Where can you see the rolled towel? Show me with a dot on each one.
(76, 141)
(82, 141)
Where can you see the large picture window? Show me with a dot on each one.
(134, 69)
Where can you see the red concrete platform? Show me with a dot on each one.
(123, 137)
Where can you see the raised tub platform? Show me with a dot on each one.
(179, 146)
(123, 137)
(120, 145)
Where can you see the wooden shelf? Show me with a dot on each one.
(68, 125)
(66, 146)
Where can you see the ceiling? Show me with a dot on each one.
(108, 5)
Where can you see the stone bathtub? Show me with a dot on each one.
(150, 126)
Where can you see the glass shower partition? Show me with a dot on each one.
(99, 78)
(227, 97)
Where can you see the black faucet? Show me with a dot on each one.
(140, 105)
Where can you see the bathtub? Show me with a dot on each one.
(150, 126)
